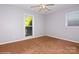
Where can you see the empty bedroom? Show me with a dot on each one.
(39, 28)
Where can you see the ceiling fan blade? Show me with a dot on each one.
(50, 5)
(35, 6)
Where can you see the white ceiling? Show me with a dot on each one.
(52, 8)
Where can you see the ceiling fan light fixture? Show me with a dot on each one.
(43, 7)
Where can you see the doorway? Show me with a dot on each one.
(28, 25)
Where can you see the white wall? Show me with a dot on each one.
(55, 24)
(12, 23)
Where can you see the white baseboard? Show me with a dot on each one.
(63, 39)
(26, 38)
(30, 37)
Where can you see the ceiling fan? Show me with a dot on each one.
(42, 7)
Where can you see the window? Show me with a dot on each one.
(73, 18)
